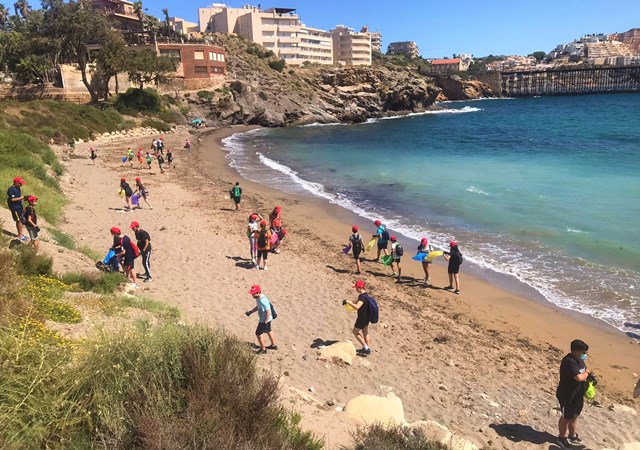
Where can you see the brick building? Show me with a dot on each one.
(196, 60)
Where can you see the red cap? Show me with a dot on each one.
(254, 216)
(453, 244)
(115, 230)
(134, 224)
(359, 284)
(278, 208)
(393, 238)
(32, 198)
(377, 223)
(255, 289)
(354, 228)
(424, 241)
(123, 179)
(19, 180)
(283, 232)
(137, 178)
(263, 223)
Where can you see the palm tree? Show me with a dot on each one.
(165, 11)
(138, 10)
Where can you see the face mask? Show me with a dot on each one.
(583, 357)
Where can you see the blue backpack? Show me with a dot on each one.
(374, 311)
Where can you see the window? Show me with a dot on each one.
(211, 58)
(201, 69)
(198, 55)
(172, 53)
(221, 57)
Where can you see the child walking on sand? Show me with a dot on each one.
(424, 247)
(357, 247)
(275, 219)
(142, 192)
(396, 253)
(455, 259)
(263, 243)
(252, 229)
(92, 155)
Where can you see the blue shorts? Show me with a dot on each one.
(16, 212)
(263, 328)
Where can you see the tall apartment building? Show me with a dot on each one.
(351, 48)
(376, 38)
(277, 29)
(120, 14)
(407, 48)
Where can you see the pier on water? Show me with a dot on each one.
(570, 81)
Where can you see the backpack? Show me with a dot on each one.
(374, 311)
(236, 191)
(399, 250)
(356, 243)
(262, 239)
(134, 247)
(461, 258)
(385, 235)
(274, 313)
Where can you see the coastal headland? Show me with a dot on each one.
(484, 363)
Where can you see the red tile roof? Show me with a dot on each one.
(436, 62)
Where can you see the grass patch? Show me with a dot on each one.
(45, 293)
(378, 437)
(90, 253)
(98, 282)
(161, 310)
(62, 239)
(28, 263)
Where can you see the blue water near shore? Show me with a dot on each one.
(545, 190)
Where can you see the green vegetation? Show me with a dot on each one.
(157, 124)
(63, 239)
(378, 437)
(278, 64)
(237, 86)
(91, 253)
(135, 101)
(100, 283)
(205, 95)
(28, 263)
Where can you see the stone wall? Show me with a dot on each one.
(44, 92)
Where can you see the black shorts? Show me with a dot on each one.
(16, 212)
(453, 269)
(382, 245)
(396, 260)
(237, 200)
(263, 328)
(263, 254)
(571, 410)
(361, 323)
(356, 255)
(128, 263)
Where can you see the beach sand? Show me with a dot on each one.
(484, 363)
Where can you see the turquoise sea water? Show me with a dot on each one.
(545, 190)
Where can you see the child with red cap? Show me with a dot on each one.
(383, 238)
(252, 229)
(424, 247)
(275, 219)
(357, 247)
(128, 192)
(263, 244)
(276, 240)
(265, 317)
(142, 192)
(31, 222)
(361, 327)
(124, 250)
(454, 256)
(396, 253)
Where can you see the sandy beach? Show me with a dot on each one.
(484, 363)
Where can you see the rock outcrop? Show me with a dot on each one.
(370, 409)
(454, 88)
(343, 351)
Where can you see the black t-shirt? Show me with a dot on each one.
(126, 188)
(141, 237)
(363, 312)
(169, 156)
(117, 247)
(569, 388)
(30, 212)
(129, 254)
(160, 159)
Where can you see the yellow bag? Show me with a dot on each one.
(590, 392)
(371, 243)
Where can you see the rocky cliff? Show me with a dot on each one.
(454, 88)
(258, 93)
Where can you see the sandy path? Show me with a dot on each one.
(483, 364)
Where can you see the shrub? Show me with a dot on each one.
(263, 95)
(378, 437)
(139, 100)
(45, 293)
(237, 86)
(62, 238)
(157, 124)
(205, 95)
(108, 283)
(278, 64)
(180, 387)
(185, 110)
(172, 116)
(28, 263)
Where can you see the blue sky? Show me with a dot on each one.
(442, 28)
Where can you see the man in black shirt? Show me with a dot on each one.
(570, 392)
(14, 201)
(144, 244)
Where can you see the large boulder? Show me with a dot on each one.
(370, 409)
(343, 351)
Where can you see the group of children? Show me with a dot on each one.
(132, 197)
(381, 239)
(265, 237)
(24, 217)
